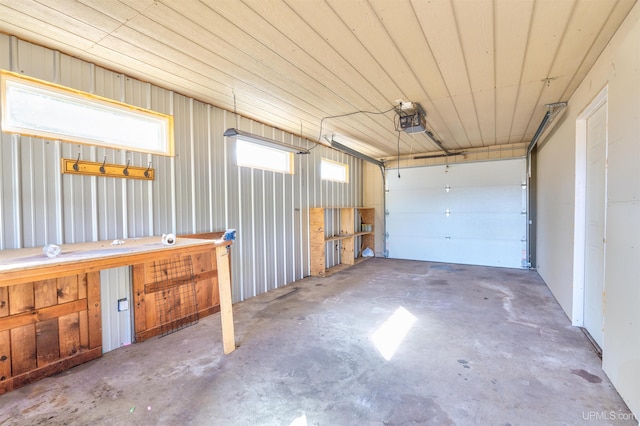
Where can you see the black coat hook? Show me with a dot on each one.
(104, 161)
(146, 172)
(76, 166)
(126, 169)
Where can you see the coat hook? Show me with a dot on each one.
(102, 169)
(146, 172)
(76, 166)
(126, 169)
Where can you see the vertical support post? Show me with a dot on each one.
(226, 311)
(94, 309)
(139, 305)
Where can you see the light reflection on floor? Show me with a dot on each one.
(388, 337)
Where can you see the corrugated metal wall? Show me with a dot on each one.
(117, 326)
(199, 190)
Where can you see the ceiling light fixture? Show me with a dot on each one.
(355, 153)
(261, 140)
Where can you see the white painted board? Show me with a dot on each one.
(486, 220)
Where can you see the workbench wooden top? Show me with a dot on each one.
(32, 262)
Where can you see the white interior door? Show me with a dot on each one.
(471, 213)
(595, 215)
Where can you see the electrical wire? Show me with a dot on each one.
(351, 113)
(396, 122)
(235, 109)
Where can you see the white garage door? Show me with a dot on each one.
(472, 213)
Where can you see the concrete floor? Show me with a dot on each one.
(489, 346)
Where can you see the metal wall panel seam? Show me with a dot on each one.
(351, 189)
(93, 190)
(72, 213)
(150, 200)
(94, 179)
(275, 226)
(306, 213)
(290, 265)
(345, 189)
(283, 216)
(210, 179)
(281, 212)
(2, 178)
(17, 193)
(288, 231)
(299, 241)
(253, 231)
(289, 253)
(340, 190)
(123, 183)
(264, 240)
(304, 228)
(44, 208)
(284, 222)
(15, 158)
(192, 169)
(240, 241)
(56, 166)
(226, 182)
(107, 201)
(172, 165)
(149, 184)
(58, 193)
(28, 211)
(297, 210)
(317, 185)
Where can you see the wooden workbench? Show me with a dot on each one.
(50, 312)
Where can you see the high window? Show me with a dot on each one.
(37, 108)
(332, 170)
(257, 156)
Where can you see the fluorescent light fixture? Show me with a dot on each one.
(261, 140)
(355, 153)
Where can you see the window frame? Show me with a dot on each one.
(256, 166)
(158, 126)
(345, 166)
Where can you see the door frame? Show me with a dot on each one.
(579, 230)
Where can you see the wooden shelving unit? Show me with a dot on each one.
(348, 234)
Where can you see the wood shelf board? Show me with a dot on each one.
(343, 266)
(359, 234)
(338, 237)
(342, 237)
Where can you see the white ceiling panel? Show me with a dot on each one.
(482, 69)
